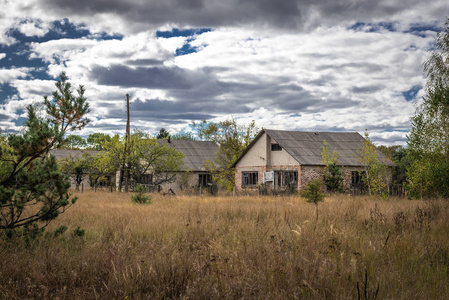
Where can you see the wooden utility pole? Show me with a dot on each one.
(127, 146)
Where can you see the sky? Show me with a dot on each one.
(322, 65)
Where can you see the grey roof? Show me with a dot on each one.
(306, 147)
(196, 153)
(63, 153)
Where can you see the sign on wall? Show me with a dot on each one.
(268, 176)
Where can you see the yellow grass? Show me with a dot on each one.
(235, 247)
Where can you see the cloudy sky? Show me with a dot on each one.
(321, 65)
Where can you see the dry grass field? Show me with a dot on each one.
(234, 247)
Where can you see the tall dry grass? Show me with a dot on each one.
(235, 247)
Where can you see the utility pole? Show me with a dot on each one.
(127, 146)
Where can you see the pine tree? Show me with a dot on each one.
(32, 189)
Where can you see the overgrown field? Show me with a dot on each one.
(242, 247)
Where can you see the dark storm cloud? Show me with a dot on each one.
(162, 111)
(367, 89)
(4, 117)
(144, 62)
(159, 77)
(284, 14)
(365, 67)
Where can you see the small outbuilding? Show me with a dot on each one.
(278, 157)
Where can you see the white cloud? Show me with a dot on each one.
(334, 78)
(8, 75)
(291, 66)
(2, 55)
(33, 28)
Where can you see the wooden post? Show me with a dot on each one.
(82, 187)
(233, 191)
(127, 146)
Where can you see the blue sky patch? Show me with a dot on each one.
(175, 32)
(423, 30)
(411, 93)
(373, 27)
(6, 90)
(17, 54)
(186, 49)
(189, 33)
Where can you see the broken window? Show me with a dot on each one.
(250, 178)
(276, 147)
(204, 179)
(357, 177)
(285, 178)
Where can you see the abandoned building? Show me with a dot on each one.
(196, 154)
(277, 158)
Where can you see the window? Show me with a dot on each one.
(357, 178)
(146, 178)
(204, 179)
(276, 147)
(250, 178)
(284, 178)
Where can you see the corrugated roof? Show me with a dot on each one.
(196, 153)
(306, 147)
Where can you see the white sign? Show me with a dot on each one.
(268, 176)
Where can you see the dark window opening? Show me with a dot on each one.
(146, 179)
(357, 178)
(250, 178)
(285, 178)
(204, 179)
(276, 147)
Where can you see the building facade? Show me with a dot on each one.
(279, 159)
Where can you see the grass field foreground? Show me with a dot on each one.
(234, 247)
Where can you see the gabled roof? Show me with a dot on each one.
(306, 147)
(196, 153)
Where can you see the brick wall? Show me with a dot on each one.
(306, 174)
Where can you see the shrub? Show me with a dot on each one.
(313, 194)
(139, 196)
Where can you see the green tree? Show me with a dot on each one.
(401, 157)
(77, 168)
(163, 134)
(428, 141)
(376, 170)
(32, 189)
(74, 141)
(100, 167)
(146, 156)
(232, 139)
(188, 136)
(312, 193)
(96, 140)
(332, 175)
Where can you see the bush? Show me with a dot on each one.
(312, 192)
(139, 197)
